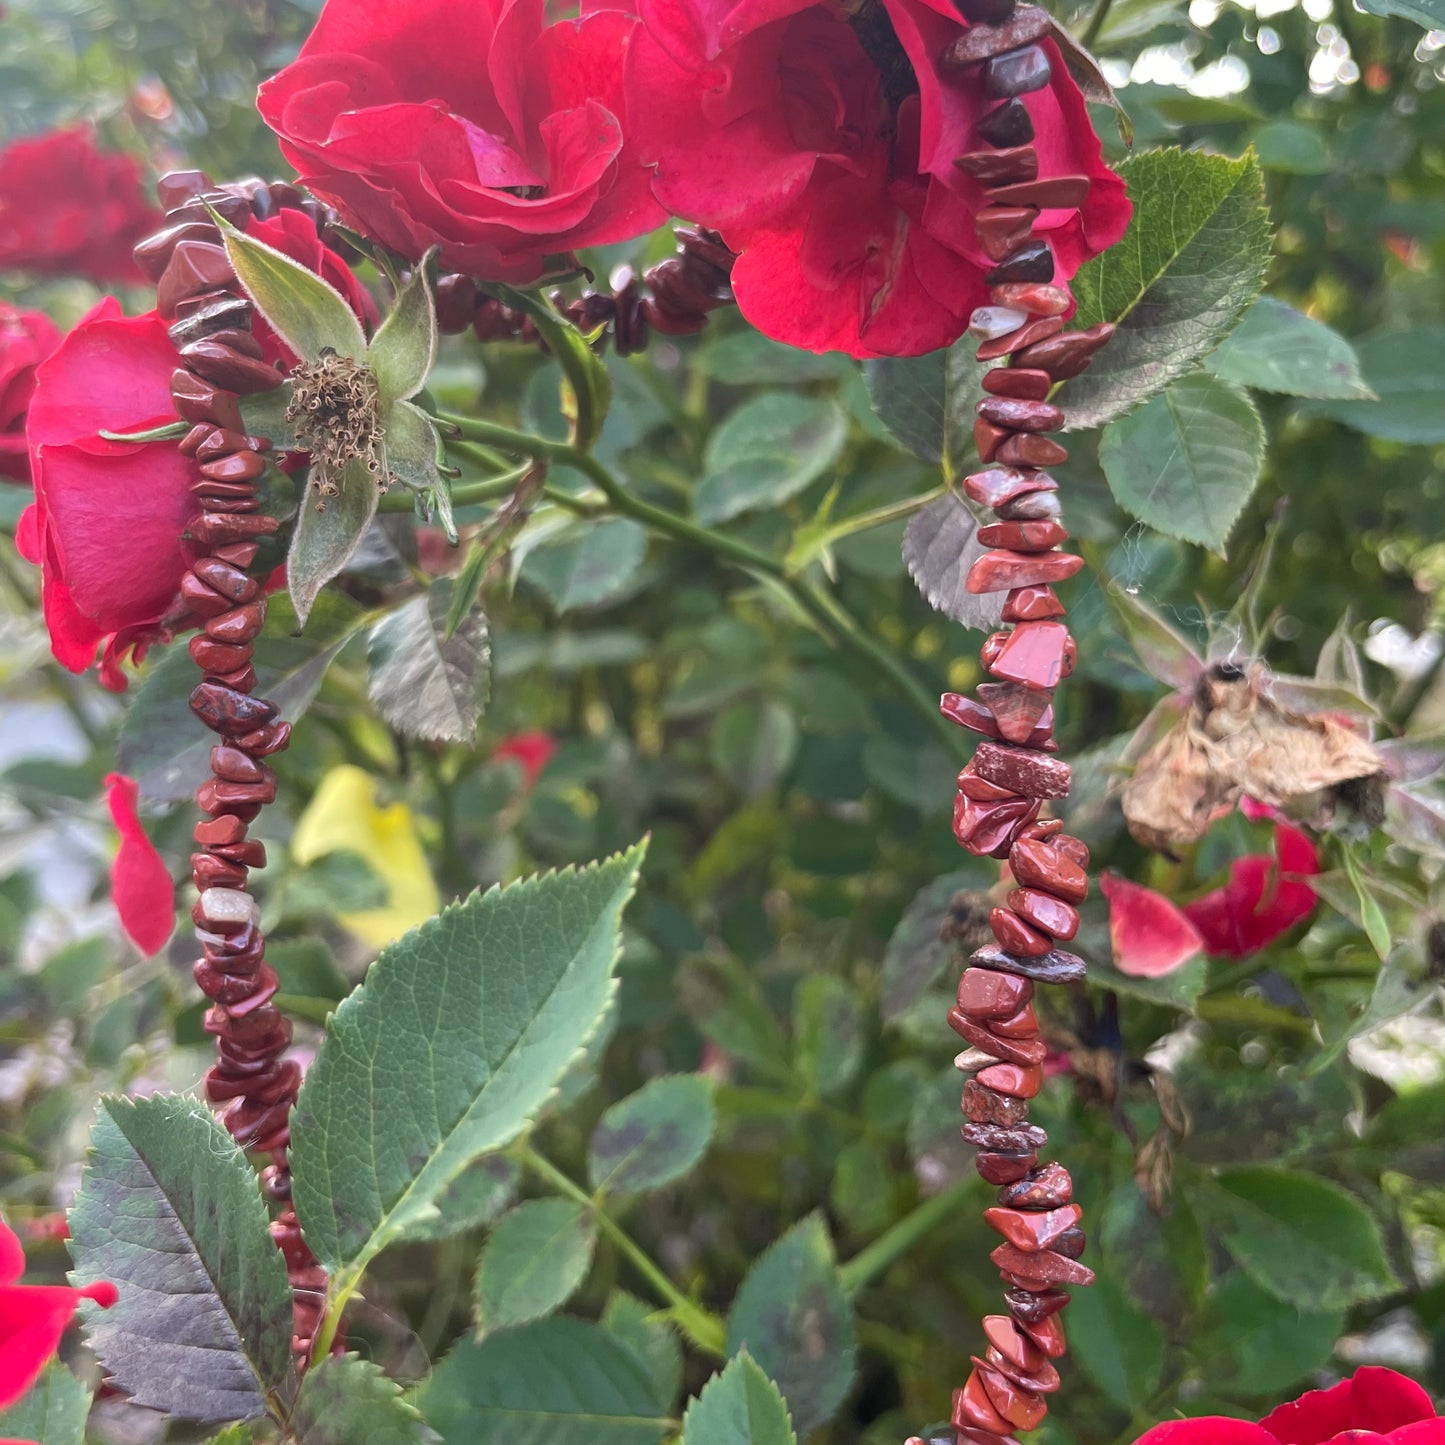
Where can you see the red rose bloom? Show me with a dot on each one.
(68, 209)
(108, 516)
(533, 751)
(469, 125)
(824, 151)
(1263, 898)
(1374, 1407)
(26, 339)
(33, 1318)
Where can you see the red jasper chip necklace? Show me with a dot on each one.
(252, 1085)
(1015, 769)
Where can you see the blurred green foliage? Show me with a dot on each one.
(1263, 1190)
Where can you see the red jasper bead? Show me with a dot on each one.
(1014, 1080)
(1023, 536)
(1032, 604)
(1048, 914)
(986, 994)
(1039, 865)
(1016, 381)
(1016, 936)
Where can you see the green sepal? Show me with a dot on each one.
(326, 538)
(405, 345)
(310, 315)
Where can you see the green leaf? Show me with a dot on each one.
(1262, 1346)
(497, 994)
(555, 1382)
(651, 1337)
(346, 1400)
(328, 532)
(766, 451)
(587, 563)
(1430, 14)
(51, 1412)
(231, 1435)
(1192, 260)
(423, 686)
(168, 1210)
(586, 385)
(1292, 147)
(748, 358)
(536, 1257)
(916, 952)
(1372, 916)
(1163, 652)
(653, 1136)
(793, 1317)
(1117, 1346)
(310, 315)
(1188, 460)
(740, 1406)
(908, 395)
(920, 775)
(405, 345)
(1403, 369)
(927, 402)
(1302, 1239)
(754, 743)
(474, 1197)
(939, 548)
(828, 1034)
(159, 744)
(1276, 348)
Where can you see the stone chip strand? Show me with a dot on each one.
(674, 297)
(1015, 770)
(252, 1085)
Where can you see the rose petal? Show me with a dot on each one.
(1150, 934)
(145, 896)
(1372, 1399)
(1207, 1430)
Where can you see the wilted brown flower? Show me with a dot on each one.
(1235, 741)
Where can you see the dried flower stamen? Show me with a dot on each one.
(335, 408)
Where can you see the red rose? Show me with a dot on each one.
(26, 339)
(1374, 1407)
(32, 1318)
(467, 124)
(108, 516)
(68, 209)
(1263, 898)
(533, 751)
(824, 151)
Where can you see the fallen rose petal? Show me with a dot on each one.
(140, 882)
(1151, 935)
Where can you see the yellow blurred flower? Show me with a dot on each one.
(344, 816)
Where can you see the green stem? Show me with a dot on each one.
(703, 1327)
(896, 1241)
(489, 490)
(833, 619)
(1097, 17)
